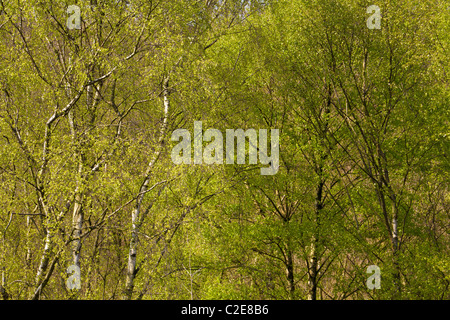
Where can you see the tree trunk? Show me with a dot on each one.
(395, 247)
(290, 273)
(136, 215)
(313, 267)
(314, 255)
(3, 292)
(393, 226)
(45, 258)
(28, 256)
(77, 222)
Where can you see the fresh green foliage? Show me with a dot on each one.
(86, 176)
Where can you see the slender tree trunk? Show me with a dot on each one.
(395, 246)
(392, 226)
(312, 280)
(131, 267)
(3, 292)
(77, 213)
(44, 281)
(45, 255)
(313, 271)
(77, 223)
(313, 266)
(290, 273)
(45, 258)
(136, 214)
(28, 256)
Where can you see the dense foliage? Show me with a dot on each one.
(87, 179)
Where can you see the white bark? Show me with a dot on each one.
(45, 258)
(77, 223)
(313, 267)
(136, 214)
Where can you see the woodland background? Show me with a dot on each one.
(86, 176)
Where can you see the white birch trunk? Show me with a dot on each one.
(136, 215)
(313, 267)
(77, 213)
(77, 222)
(45, 258)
